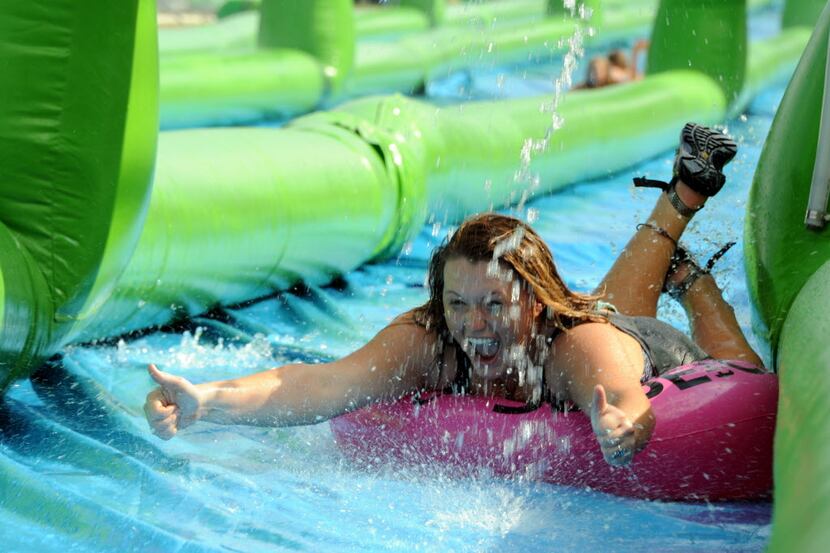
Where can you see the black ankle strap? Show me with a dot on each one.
(717, 255)
(643, 182)
(679, 290)
(680, 206)
(669, 189)
(661, 231)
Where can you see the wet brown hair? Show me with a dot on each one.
(489, 235)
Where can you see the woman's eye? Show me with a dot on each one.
(494, 306)
(456, 303)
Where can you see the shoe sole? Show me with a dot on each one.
(711, 148)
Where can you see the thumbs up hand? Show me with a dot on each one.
(174, 405)
(614, 430)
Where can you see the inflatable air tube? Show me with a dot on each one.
(802, 458)
(239, 31)
(473, 151)
(788, 267)
(705, 35)
(192, 95)
(781, 254)
(229, 88)
(409, 63)
(712, 440)
(323, 28)
(240, 213)
(771, 61)
(78, 126)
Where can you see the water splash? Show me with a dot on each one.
(527, 180)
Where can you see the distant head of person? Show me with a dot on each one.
(615, 68)
(609, 70)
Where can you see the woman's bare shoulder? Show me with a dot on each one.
(405, 332)
(407, 317)
(590, 346)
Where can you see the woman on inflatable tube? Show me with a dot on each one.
(500, 322)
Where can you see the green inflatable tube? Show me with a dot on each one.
(238, 213)
(802, 437)
(697, 34)
(771, 61)
(473, 151)
(191, 94)
(232, 194)
(388, 22)
(780, 253)
(76, 151)
(239, 31)
(788, 268)
(274, 83)
(322, 28)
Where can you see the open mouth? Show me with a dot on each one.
(485, 349)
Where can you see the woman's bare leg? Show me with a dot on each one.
(714, 326)
(634, 282)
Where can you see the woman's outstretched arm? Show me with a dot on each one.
(395, 362)
(601, 371)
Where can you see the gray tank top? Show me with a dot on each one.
(664, 346)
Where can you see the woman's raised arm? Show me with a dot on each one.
(397, 361)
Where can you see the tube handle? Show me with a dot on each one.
(816, 217)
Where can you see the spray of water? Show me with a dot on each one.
(527, 180)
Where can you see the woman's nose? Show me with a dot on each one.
(476, 319)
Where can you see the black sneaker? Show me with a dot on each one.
(702, 154)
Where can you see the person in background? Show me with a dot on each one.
(615, 68)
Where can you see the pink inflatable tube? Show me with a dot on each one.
(712, 441)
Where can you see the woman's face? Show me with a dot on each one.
(489, 312)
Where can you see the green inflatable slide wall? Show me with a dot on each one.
(88, 248)
(789, 276)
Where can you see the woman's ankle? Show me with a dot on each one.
(678, 273)
(690, 198)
